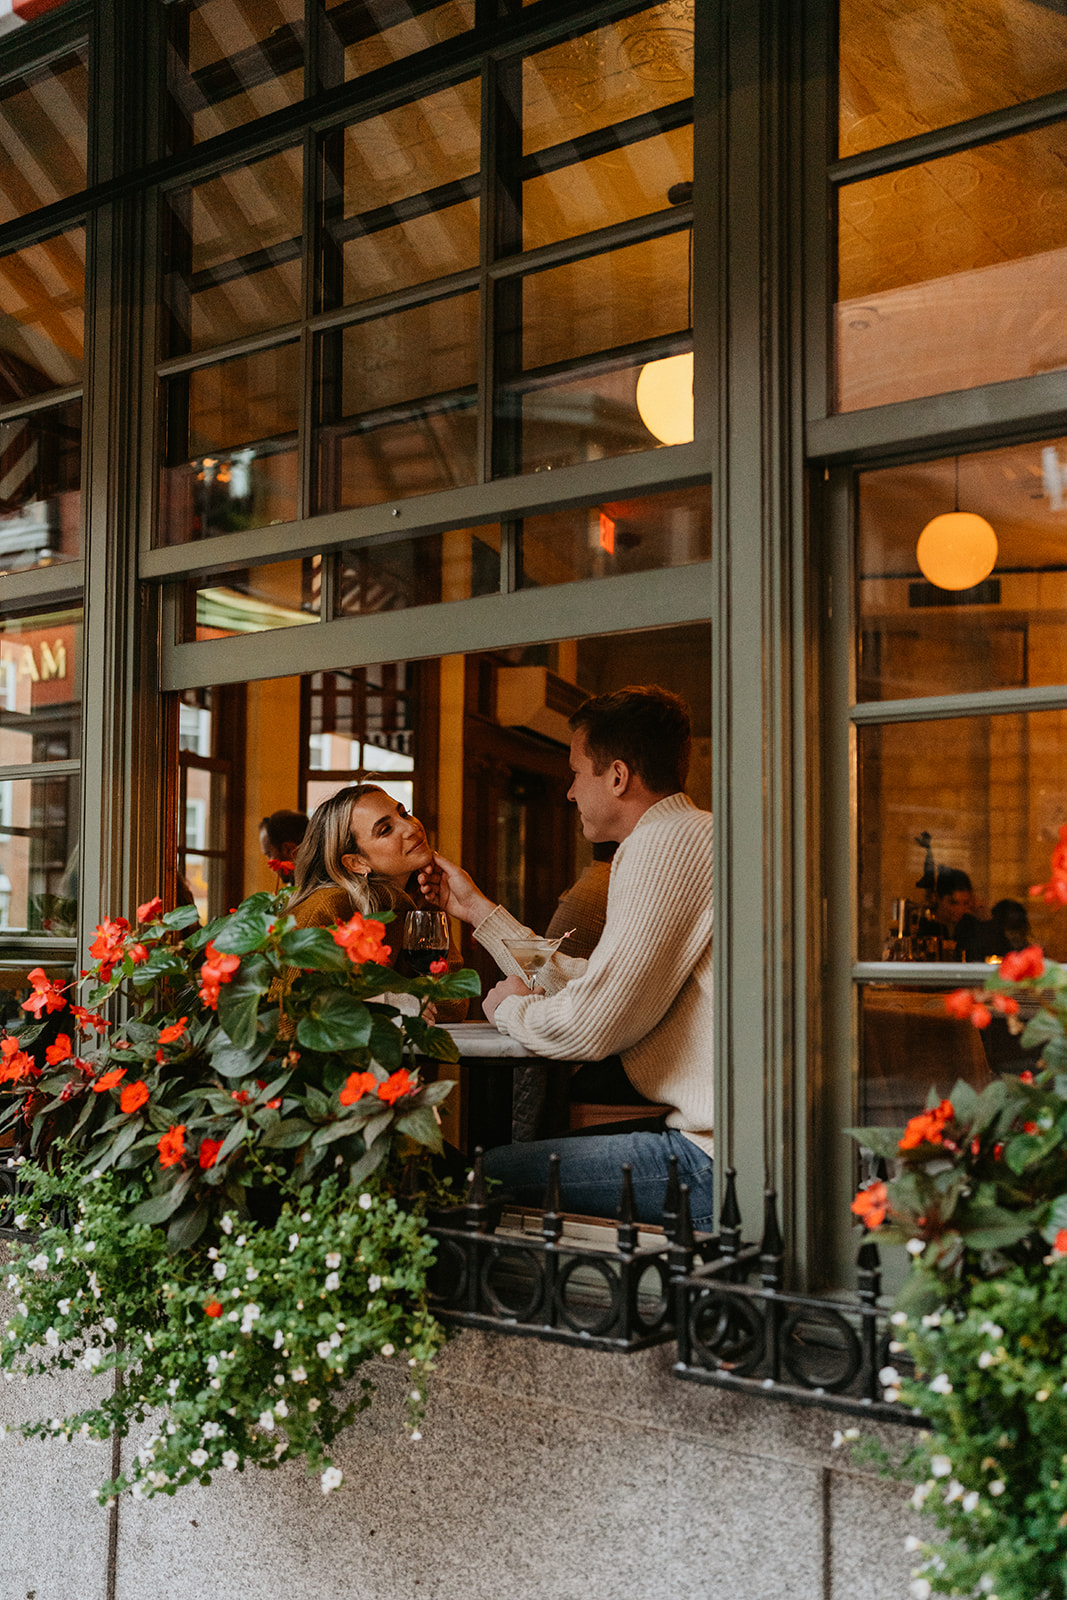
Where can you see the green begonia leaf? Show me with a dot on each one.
(337, 1021)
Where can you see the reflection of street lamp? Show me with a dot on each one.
(958, 549)
(665, 398)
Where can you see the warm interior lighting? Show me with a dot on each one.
(665, 398)
(957, 550)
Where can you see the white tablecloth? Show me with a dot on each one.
(482, 1039)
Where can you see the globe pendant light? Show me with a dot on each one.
(665, 398)
(958, 549)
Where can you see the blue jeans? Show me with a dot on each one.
(591, 1172)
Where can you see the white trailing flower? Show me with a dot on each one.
(226, 1224)
(986, 1358)
(920, 1588)
(210, 1430)
(51, 1338)
(323, 1349)
(251, 1274)
(414, 1435)
(915, 1247)
(314, 1404)
(920, 1493)
(970, 1501)
(941, 1384)
(955, 1491)
(388, 1350)
(281, 1409)
(230, 1460)
(173, 1386)
(219, 1270)
(266, 1420)
(63, 1307)
(333, 1281)
(365, 1202)
(294, 1240)
(213, 1254)
(889, 1375)
(940, 1466)
(279, 1339)
(22, 1222)
(994, 1330)
(197, 1458)
(997, 1487)
(331, 1479)
(911, 1544)
(374, 1283)
(933, 1318)
(250, 1317)
(109, 1325)
(212, 1363)
(299, 1375)
(92, 1359)
(333, 1258)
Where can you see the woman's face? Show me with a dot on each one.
(390, 842)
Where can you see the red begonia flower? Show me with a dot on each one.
(209, 1150)
(213, 1309)
(133, 1096)
(173, 1031)
(109, 1079)
(927, 1127)
(870, 1204)
(356, 1085)
(172, 1145)
(150, 909)
(1028, 963)
(362, 939)
(59, 1051)
(437, 967)
(396, 1085)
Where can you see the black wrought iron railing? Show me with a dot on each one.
(722, 1300)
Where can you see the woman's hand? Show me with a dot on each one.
(501, 991)
(450, 889)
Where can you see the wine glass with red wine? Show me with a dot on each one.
(425, 939)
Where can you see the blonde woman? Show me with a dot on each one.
(361, 852)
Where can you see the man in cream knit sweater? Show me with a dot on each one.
(645, 991)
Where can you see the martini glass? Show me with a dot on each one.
(530, 955)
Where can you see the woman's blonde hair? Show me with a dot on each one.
(328, 839)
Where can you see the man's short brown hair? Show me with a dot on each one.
(645, 727)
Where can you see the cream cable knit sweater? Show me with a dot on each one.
(645, 992)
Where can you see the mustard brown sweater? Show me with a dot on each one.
(645, 992)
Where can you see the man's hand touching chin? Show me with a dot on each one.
(500, 991)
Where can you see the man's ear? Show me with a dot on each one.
(621, 777)
(355, 865)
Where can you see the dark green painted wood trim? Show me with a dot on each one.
(605, 605)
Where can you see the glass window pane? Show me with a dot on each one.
(39, 855)
(1008, 630)
(399, 400)
(371, 37)
(605, 301)
(954, 273)
(630, 181)
(456, 565)
(231, 459)
(597, 414)
(643, 535)
(231, 61)
(401, 202)
(42, 317)
(909, 1044)
(624, 70)
(991, 793)
(40, 488)
(43, 128)
(907, 67)
(279, 594)
(233, 256)
(40, 688)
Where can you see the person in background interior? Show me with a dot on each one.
(280, 837)
(362, 852)
(1008, 928)
(645, 992)
(956, 911)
